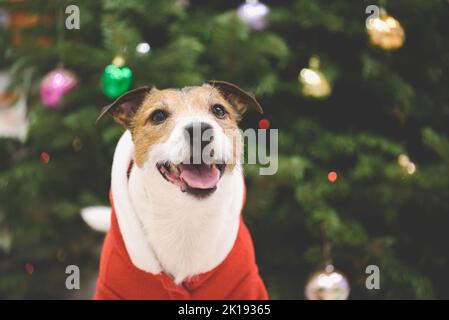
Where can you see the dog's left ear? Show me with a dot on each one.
(238, 97)
(125, 106)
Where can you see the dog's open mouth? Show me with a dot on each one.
(198, 179)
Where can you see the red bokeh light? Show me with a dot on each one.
(332, 176)
(264, 123)
(45, 158)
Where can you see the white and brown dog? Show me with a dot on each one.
(176, 227)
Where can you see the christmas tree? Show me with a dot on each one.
(363, 137)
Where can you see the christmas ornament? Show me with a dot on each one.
(143, 48)
(385, 31)
(55, 85)
(313, 82)
(13, 108)
(404, 161)
(264, 124)
(254, 14)
(332, 176)
(117, 78)
(327, 284)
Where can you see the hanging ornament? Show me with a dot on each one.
(313, 82)
(385, 31)
(254, 14)
(55, 85)
(143, 48)
(117, 78)
(327, 284)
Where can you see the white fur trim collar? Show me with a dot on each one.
(139, 250)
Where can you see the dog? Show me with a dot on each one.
(176, 229)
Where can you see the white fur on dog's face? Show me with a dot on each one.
(162, 146)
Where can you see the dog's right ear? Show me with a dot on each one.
(238, 97)
(125, 106)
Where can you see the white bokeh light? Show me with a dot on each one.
(143, 48)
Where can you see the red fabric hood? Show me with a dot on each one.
(237, 277)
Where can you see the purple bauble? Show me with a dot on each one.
(55, 84)
(254, 14)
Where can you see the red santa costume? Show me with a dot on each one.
(128, 267)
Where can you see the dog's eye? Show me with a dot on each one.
(219, 111)
(159, 116)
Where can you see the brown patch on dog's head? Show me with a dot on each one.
(139, 110)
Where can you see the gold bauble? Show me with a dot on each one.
(385, 31)
(327, 284)
(313, 82)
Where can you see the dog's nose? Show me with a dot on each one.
(199, 135)
(201, 126)
(199, 132)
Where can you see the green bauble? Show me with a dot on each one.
(116, 80)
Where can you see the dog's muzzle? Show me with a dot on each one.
(200, 173)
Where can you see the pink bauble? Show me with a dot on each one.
(55, 85)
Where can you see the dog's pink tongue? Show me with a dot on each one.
(200, 176)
